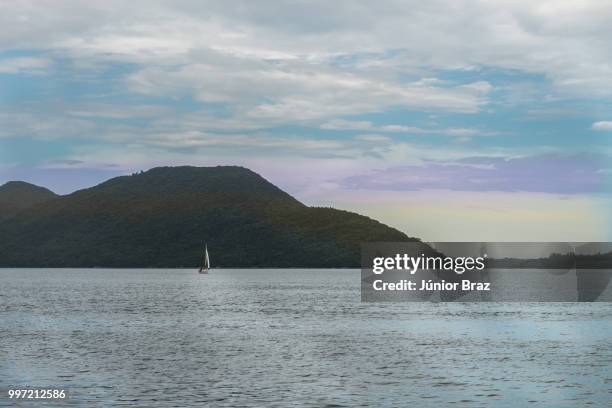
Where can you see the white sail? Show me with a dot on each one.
(206, 266)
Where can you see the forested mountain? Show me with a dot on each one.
(18, 195)
(162, 217)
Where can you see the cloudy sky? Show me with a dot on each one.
(449, 120)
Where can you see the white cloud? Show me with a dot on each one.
(116, 111)
(373, 138)
(343, 124)
(194, 139)
(603, 125)
(269, 91)
(308, 60)
(306, 63)
(26, 124)
(20, 65)
(567, 42)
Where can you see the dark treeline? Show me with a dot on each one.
(556, 261)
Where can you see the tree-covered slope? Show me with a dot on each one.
(162, 217)
(18, 195)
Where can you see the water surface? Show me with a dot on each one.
(278, 338)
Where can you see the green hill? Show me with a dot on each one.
(18, 195)
(162, 217)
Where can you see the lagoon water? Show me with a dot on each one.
(278, 338)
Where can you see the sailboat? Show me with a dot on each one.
(204, 268)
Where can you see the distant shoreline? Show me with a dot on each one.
(173, 268)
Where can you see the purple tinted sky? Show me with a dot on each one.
(548, 174)
(60, 180)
